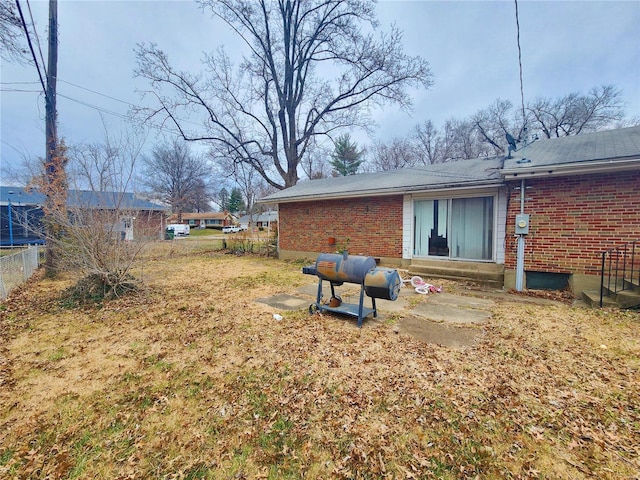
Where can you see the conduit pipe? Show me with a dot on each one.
(520, 253)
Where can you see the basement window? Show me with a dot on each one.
(547, 280)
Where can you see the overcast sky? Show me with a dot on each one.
(471, 47)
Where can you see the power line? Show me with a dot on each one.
(98, 93)
(95, 107)
(81, 102)
(19, 90)
(524, 118)
(106, 96)
(84, 103)
(121, 116)
(18, 83)
(35, 31)
(33, 54)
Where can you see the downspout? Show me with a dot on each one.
(278, 230)
(520, 254)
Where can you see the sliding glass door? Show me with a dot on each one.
(455, 228)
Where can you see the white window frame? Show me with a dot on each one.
(499, 221)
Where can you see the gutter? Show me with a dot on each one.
(599, 166)
(380, 192)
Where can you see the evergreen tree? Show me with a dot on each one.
(236, 202)
(346, 158)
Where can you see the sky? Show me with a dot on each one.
(566, 46)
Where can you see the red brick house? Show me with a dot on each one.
(458, 219)
(125, 214)
(204, 219)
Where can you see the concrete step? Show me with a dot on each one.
(628, 298)
(623, 299)
(620, 285)
(485, 273)
(592, 299)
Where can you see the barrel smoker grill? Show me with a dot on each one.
(376, 282)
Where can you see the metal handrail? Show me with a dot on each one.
(622, 279)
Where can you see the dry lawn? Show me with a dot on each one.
(191, 378)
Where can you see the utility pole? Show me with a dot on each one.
(54, 157)
(50, 97)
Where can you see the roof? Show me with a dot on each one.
(203, 216)
(587, 153)
(611, 150)
(467, 173)
(266, 217)
(80, 198)
(19, 196)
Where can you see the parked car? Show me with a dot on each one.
(231, 229)
(179, 229)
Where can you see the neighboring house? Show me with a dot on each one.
(458, 219)
(264, 221)
(24, 209)
(204, 219)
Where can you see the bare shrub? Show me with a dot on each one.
(101, 227)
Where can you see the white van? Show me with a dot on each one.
(179, 229)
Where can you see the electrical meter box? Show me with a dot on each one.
(522, 224)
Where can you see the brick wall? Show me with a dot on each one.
(148, 225)
(573, 219)
(373, 226)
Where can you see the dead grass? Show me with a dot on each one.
(191, 378)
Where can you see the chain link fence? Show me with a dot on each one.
(17, 268)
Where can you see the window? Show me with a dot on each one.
(454, 227)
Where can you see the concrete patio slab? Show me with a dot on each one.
(439, 318)
(439, 333)
(450, 313)
(466, 301)
(285, 302)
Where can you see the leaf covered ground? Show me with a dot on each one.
(192, 378)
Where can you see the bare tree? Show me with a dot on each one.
(175, 176)
(493, 123)
(200, 198)
(458, 140)
(222, 198)
(250, 184)
(484, 133)
(20, 172)
(428, 142)
(103, 231)
(13, 45)
(100, 242)
(109, 165)
(267, 112)
(574, 114)
(314, 164)
(93, 166)
(398, 153)
(628, 122)
(241, 175)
